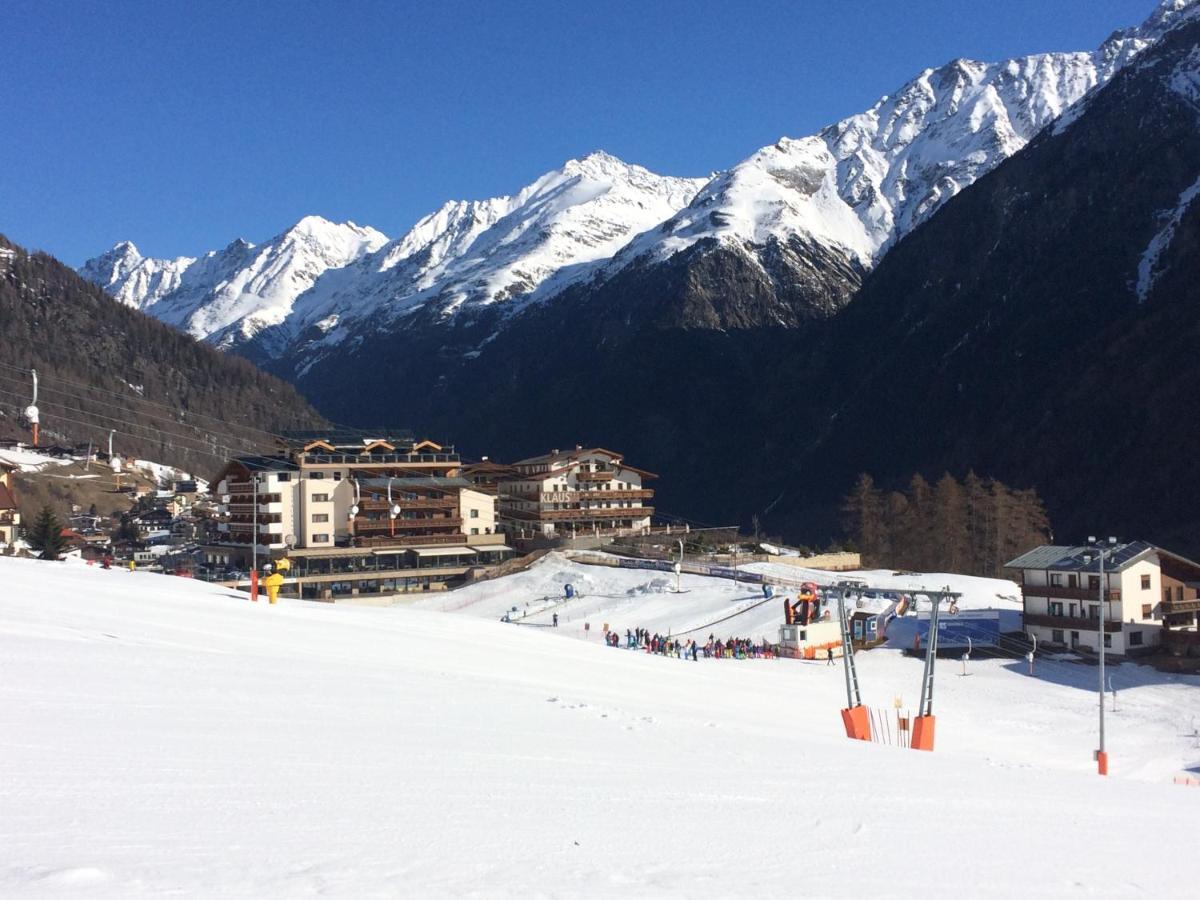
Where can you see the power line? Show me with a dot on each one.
(211, 447)
(134, 396)
(62, 392)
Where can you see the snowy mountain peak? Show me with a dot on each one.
(503, 252)
(229, 295)
(861, 184)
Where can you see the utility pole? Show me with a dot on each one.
(1101, 552)
(679, 570)
(254, 537)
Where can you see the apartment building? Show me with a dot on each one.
(10, 514)
(1145, 589)
(581, 491)
(356, 514)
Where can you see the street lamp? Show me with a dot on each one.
(1101, 549)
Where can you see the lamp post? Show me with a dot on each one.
(1101, 550)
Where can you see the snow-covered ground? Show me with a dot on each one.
(632, 598)
(27, 460)
(162, 735)
(977, 593)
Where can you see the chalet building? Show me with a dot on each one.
(357, 514)
(487, 475)
(582, 491)
(1146, 588)
(10, 514)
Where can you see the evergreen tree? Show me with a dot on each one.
(950, 523)
(864, 520)
(974, 527)
(45, 536)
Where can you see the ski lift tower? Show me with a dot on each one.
(855, 716)
(924, 722)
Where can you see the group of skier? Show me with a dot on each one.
(681, 648)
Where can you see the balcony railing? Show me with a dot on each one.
(579, 514)
(410, 540)
(379, 459)
(1058, 592)
(405, 525)
(1071, 623)
(578, 496)
(595, 476)
(1174, 607)
(419, 503)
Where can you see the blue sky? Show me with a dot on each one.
(181, 126)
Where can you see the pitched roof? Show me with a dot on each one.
(7, 500)
(554, 457)
(1071, 559)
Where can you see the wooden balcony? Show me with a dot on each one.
(579, 496)
(1058, 592)
(579, 515)
(1175, 607)
(596, 476)
(1071, 623)
(372, 526)
(419, 503)
(410, 540)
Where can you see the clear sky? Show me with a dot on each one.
(181, 126)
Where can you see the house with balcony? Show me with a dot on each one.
(1145, 589)
(579, 492)
(356, 514)
(10, 513)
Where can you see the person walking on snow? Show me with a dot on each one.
(554, 620)
(829, 656)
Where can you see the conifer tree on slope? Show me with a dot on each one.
(45, 535)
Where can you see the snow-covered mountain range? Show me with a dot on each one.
(847, 193)
(227, 296)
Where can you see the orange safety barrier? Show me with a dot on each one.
(922, 732)
(857, 722)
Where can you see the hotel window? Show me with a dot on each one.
(320, 517)
(337, 476)
(474, 514)
(320, 538)
(1093, 582)
(1056, 580)
(285, 476)
(1147, 610)
(1135, 639)
(1056, 609)
(316, 475)
(320, 498)
(474, 531)
(1145, 582)
(1056, 636)
(1108, 640)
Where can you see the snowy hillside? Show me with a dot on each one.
(228, 296)
(507, 250)
(863, 183)
(160, 735)
(637, 598)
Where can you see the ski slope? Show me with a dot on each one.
(632, 598)
(159, 735)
